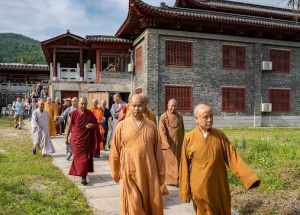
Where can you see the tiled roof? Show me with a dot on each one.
(104, 38)
(222, 16)
(20, 66)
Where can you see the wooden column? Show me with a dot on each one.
(54, 64)
(81, 64)
(98, 65)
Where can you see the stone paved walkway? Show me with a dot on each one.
(102, 193)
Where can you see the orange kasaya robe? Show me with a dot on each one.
(98, 113)
(203, 175)
(148, 114)
(51, 108)
(136, 161)
(171, 132)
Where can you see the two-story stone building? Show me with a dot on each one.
(243, 59)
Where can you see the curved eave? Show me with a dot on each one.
(131, 16)
(202, 16)
(240, 8)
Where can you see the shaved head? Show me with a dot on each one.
(138, 104)
(83, 103)
(201, 108)
(172, 101)
(172, 105)
(41, 105)
(95, 102)
(139, 97)
(204, 116)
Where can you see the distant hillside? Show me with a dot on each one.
(16, 48)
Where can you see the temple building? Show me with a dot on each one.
(243, 59)
(19, 80)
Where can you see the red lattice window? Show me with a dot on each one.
(233, 99)
(280, 99)
(234, 57)
(178, 53)
(139, 59)
(280, 60)
(182, 94)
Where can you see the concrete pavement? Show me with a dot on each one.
(102, 193)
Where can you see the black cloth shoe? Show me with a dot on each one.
(83, 181)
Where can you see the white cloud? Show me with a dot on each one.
(42, 19)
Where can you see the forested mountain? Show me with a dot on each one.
(16, 48)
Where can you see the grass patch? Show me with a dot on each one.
(31, 184)
(274, 153)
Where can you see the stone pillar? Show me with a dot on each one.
(98, 65)
(151, 61)
(54, 64)
(81, 65)
(257, 59)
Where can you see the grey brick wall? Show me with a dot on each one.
(207, 76)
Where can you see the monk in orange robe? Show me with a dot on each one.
(100, 119)
(171, 132)
(206, 153)
(136, 161)
(51, 108)
(85, 134)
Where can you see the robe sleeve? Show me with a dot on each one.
(68, 129)
(163, 134)
(159, 159)
(34, 122)
(55, 112)
(184, 174)
(238, 166)
(160, 163)
(115, 154)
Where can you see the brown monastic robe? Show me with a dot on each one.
(136, 160)
(51, 108)
(171, 131)
(203, 176)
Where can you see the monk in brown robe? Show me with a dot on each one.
(51, 109)
(171, 131)
(136, 161)
(206, 153)
(85, 134)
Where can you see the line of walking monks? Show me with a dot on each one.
(144, 157)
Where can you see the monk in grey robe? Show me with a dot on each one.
(206, 153)
(171, 131)
(116, 111)
(40, 133)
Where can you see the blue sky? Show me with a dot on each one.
(42, 19)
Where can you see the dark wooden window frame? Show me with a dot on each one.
(280, 106)
(186, 97)
(138, 62)
(231, 102)
(117, 58)
(179, 53)
(234, 57)
(282, 62)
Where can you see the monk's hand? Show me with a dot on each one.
(164, 190)
(90, 125)
(116, 178)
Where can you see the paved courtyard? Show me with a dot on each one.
(102, 193)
